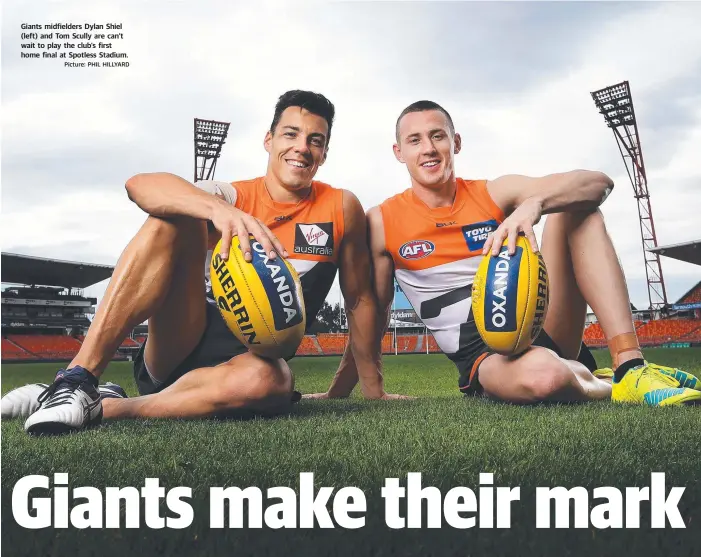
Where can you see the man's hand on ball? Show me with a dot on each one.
(231, 222)
(523, 219)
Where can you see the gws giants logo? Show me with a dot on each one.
(417, 249)
(314, 239)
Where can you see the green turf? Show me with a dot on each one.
(359, 443)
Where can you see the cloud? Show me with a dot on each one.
(516, 77)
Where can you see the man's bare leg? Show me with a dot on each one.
(600, 280)
(244, 382)
(539, 374)
(160, 276)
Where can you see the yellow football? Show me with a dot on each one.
(261, 302)
(510, 298)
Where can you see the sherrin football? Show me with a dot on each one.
(510, 298)
(261, 301)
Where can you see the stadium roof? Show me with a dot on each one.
(25, 269)
(688, 251)
(681, 299)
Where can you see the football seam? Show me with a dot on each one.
(480, 329)
(238, 327)
(528, 301)
(248, 286)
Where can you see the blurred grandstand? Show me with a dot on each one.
(45, 316)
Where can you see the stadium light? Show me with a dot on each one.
(210, 135)
(615, 103)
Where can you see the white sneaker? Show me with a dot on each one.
(71, 403)
(22, 402)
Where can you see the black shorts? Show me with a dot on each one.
(468, 365)
(217, 345)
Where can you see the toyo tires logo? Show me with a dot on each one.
(417, 249)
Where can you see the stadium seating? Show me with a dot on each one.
(332, 343)
(308, 347)
(48, 346)
(61, 347)
(692, 336)
(666, 330)
(432, 345)
(692, 297)
(129, 343)
(11, 351)
(387, 344)
(407, 343)
(594, 333)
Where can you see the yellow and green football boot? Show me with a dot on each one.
(686, 379)
(649, 384)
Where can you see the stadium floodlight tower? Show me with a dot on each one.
(616, 105)
(209, 138)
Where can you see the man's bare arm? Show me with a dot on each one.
(166, 195)
(566, 191)
(382, 272)
(524, 200)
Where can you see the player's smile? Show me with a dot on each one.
(298, 164)
(431, 165)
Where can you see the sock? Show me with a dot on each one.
(79, 372)
(625, 366)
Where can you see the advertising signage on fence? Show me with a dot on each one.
(682, 307)
(31, 302)
(405, 318)
(400, 300)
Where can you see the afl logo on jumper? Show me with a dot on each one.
(417, 249)
(314, 239)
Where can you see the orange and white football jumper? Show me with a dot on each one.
(311, 231)
(436, 253)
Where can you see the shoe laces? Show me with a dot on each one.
(651, 371)
(664, 369)
(63, 385)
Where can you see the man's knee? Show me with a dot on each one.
(172, 233)
(572, 219)
(268, 384)
(546, 376)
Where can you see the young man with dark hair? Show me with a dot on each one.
(453, 217)
(192, 366)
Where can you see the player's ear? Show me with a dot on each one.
(268, 141)
(323, 158)
(398, 153)
(458, 143)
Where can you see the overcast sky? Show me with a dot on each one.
(516, 78)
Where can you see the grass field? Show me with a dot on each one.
(359, 443)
